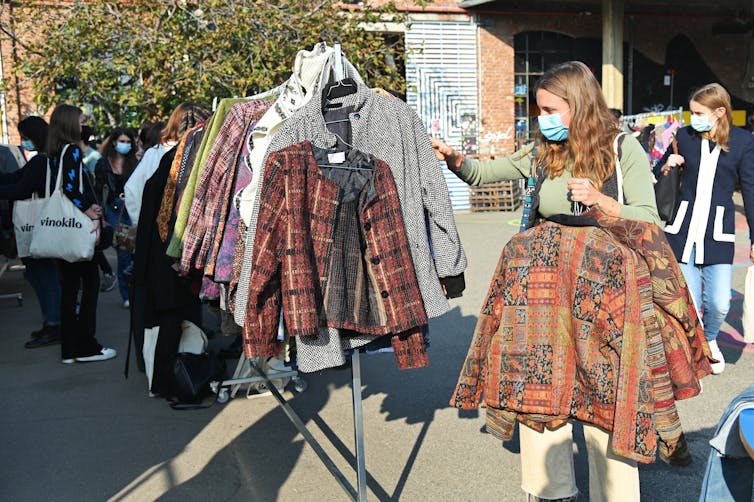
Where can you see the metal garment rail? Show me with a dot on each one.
(359, 495)
(19, 297)
(630, 120)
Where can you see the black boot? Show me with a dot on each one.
(37, 333)
(50, 336)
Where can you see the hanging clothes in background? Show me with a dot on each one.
(161, 298)
(662, 138)
(365, 268)
(177, 179)
(212, 196)
(654, 130)
(391, 131)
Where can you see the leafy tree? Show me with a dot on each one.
(136, 60)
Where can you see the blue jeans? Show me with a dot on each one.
(729, 478)
(710, 286)
(124, 259)
(42, 274)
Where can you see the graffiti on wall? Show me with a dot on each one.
(496, 143)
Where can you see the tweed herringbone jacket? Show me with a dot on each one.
(310, 231)
(578, 325)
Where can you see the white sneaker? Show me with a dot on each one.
(126, 304)
(69, 360)
(105, 354)
(718, 367)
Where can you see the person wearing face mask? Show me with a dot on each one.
(715, 155)
(576, 164)
(33, 132)
(42, 273)
(573, 113)
(111, 174)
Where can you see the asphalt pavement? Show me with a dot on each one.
(84, 432)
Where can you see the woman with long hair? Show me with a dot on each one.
(575, 162)
(78, 322)
(111, 174)
(715, 155)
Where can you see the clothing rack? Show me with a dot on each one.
(19, 297)
(630, 120)
(229, 388)
(337, 67)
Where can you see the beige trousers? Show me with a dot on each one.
(547, 466)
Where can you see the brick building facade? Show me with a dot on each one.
(698, 44)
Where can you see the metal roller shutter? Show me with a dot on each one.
(441, 73)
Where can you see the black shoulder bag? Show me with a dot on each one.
(666, 190)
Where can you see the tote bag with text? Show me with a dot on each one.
(63, 230)
(25, 217)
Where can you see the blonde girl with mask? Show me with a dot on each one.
(714, 156)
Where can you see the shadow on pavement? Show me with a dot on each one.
(264, 454)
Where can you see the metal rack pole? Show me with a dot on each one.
(19, 297)
(358, 427)
(339, 477)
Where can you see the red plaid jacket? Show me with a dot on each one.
(291, 257)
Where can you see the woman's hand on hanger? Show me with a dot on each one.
(582, 190)
(445, 152)
(674, 160)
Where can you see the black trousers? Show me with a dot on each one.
(168, 339)
(77, 329)
(169, 321)
(101, 259)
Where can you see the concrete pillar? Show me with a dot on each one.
(612, 52)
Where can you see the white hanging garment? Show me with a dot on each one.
(311, 71)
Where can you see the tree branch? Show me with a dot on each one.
(12, 35)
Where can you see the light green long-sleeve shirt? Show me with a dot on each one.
(638, 191)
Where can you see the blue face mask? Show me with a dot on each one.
(28, 145)
(552, 127)
(123, 148)
(701, 123)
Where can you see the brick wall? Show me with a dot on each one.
(496, 69)
(495, 54)
(726, 56)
